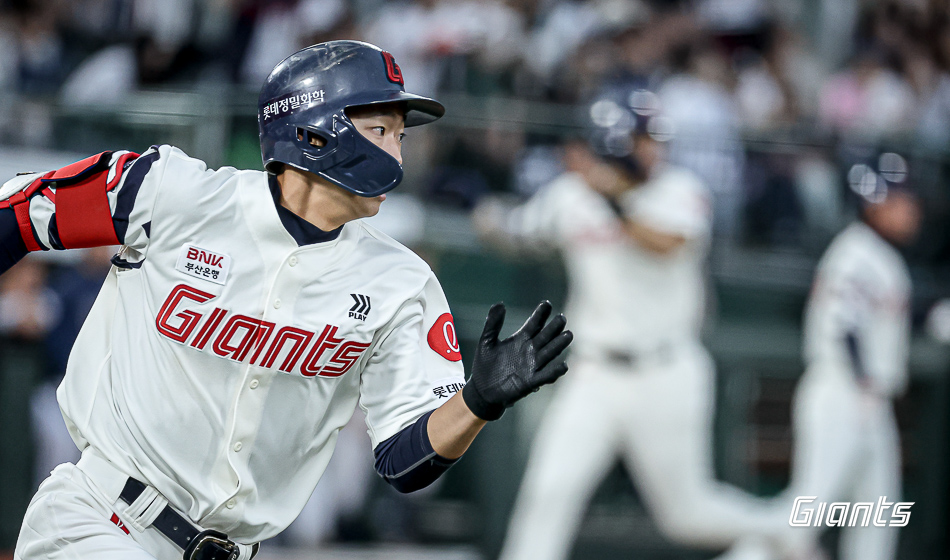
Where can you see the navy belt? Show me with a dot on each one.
(662, 353)
(197, 545)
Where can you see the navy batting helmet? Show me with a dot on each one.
(876, 177)
(307, 95)
(617, 115)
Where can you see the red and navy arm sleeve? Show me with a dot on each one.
(91, 203)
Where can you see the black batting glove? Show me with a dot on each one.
(505, 371)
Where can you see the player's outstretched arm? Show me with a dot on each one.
(89, 203)
(503, 372)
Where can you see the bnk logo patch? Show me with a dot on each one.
(204, 264)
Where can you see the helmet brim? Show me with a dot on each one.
(419, 110)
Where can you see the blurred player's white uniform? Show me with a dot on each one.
(857, 334)
(642, 385)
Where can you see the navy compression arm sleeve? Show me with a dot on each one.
(407, 461)
(12, 248)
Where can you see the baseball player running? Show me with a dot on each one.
(246, 316)
(856, 347)
(634, 233)
(857, 342)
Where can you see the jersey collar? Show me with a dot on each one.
(303, 232)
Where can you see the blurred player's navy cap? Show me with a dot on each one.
(619, 114)
(872, 180)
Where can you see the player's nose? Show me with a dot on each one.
(393, 147)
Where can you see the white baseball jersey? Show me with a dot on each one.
(221, 359)
(862, 288)
(624, 297)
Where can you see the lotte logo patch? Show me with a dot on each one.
(444, 339)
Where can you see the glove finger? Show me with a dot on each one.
(493, 323)
(534, 323)
(550, 373)
(550, 330)
(553, 349)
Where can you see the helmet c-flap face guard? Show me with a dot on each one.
(303, 122)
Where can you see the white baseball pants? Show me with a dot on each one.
(71, 517)
(847, 448)
(658, 419)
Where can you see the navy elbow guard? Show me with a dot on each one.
(407, 461)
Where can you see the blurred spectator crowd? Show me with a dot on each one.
(812, 87)
(822, 84)
(865, 67)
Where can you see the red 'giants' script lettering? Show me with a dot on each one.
(241, 335)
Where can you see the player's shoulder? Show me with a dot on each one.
(860, 250)
(178, 161)
(166, 155)
(679, 178)
(568, 183)
(388, 256)
(189, 176)
(859, 240)
(567, 189)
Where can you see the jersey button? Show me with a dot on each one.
(292, 261)
(238, 446)
(231, 504)
(276, 304)
(254, 384)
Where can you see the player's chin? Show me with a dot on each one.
(371, 205)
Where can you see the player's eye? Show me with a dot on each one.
(402, 137)
(381, 130)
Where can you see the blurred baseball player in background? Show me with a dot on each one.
(634, 233)
(856, 346)
(246, 316)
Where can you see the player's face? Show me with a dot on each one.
(648, 151)
(897, 218)
(383, 125)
